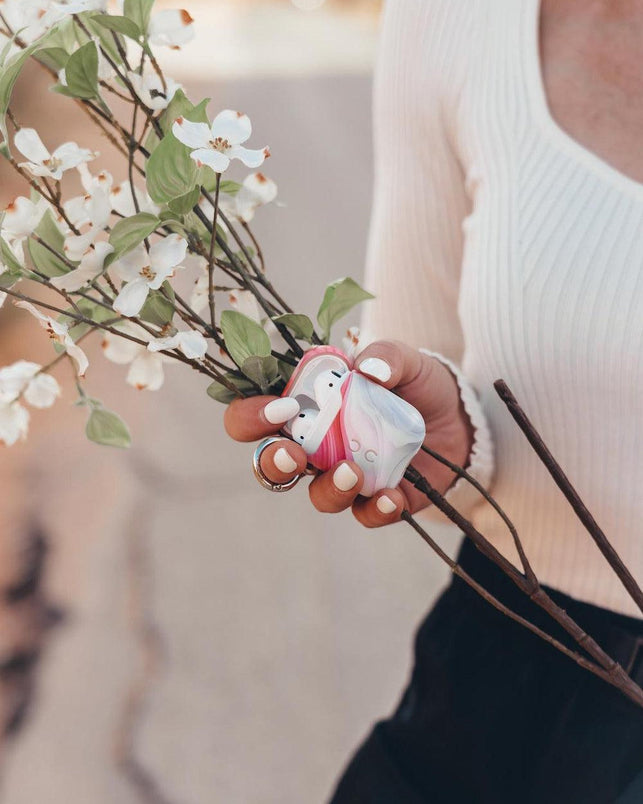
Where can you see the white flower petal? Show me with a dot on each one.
(76, 245)
(14, 423)
(192, 344)
(131, 298)
(42, 391)
(90, 267)
(167, 253)
(172, 27)
(91, 181)
(21, 217)
(160, 344)
(14, 378)
(199, 297)
(250, 158)
(120, 350)
(128, 267)
(255, 191)
(28, 142)
(213, 159)
(244, 302)
(123, 203)
(70, 155)
(77, 355)
(77, 210)
(194, 135)
(146, 372)
(3, 297)
(235, 127)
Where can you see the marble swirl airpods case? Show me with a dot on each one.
(344, 415)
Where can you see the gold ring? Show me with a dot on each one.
(261, 477)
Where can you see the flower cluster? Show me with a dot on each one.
(116, 258)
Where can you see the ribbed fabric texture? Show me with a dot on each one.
(507, 247)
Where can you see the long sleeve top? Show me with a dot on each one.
(504, 246)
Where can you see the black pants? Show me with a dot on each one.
(494, 714)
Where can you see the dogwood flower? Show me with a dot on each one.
(143, 272)
(172, 27)
(145, 368)
(354, 341)
(29, 17)
(27, 380)
(23, 380)
(94, 209)
(21, 217)
(199, 296)
(91, 266)
(59, 333)
(63, 8)
(190, 342)
(255, 191)
(14, 422)
(149, 89)
(217, 144)
(41, 162)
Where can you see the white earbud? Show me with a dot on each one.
(327, 385)
(302, 425)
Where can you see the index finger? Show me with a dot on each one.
(258, 416)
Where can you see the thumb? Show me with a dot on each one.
(421, 380)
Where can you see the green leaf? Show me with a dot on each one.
(139, 12)
(53, 57)
(121, 25)
(8, 77)
(243, 337)
(82, 72)
(14, 269)
(170, 171)
(41, 257)
(340, 297)
(106, 428)
(300, 325)
(182, 205)
(158, 308)
(129, 232)
(182, 106)
(285, 370)
(229, 187)
(105, 37)
(262, 370)
(221, 394)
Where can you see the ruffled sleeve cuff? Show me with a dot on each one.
(462, 495)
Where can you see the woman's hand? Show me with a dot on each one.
(422, 380)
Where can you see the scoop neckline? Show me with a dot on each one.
(543, 112)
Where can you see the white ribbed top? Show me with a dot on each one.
(503, 244)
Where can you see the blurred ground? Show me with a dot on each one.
(221, 644)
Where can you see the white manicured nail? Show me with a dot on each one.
(377, 368)
(385, 505)
(281, 410)
(344, 478)
(284, 462)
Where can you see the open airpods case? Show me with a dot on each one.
(344, 415)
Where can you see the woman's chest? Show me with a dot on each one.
(590, 56)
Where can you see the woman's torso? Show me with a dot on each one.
(551, 291)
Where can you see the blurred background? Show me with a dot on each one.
(170, 632)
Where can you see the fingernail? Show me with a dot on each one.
(281, 410)
(385, 505)
(284, 462)
(376, 367)
(344, 478)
